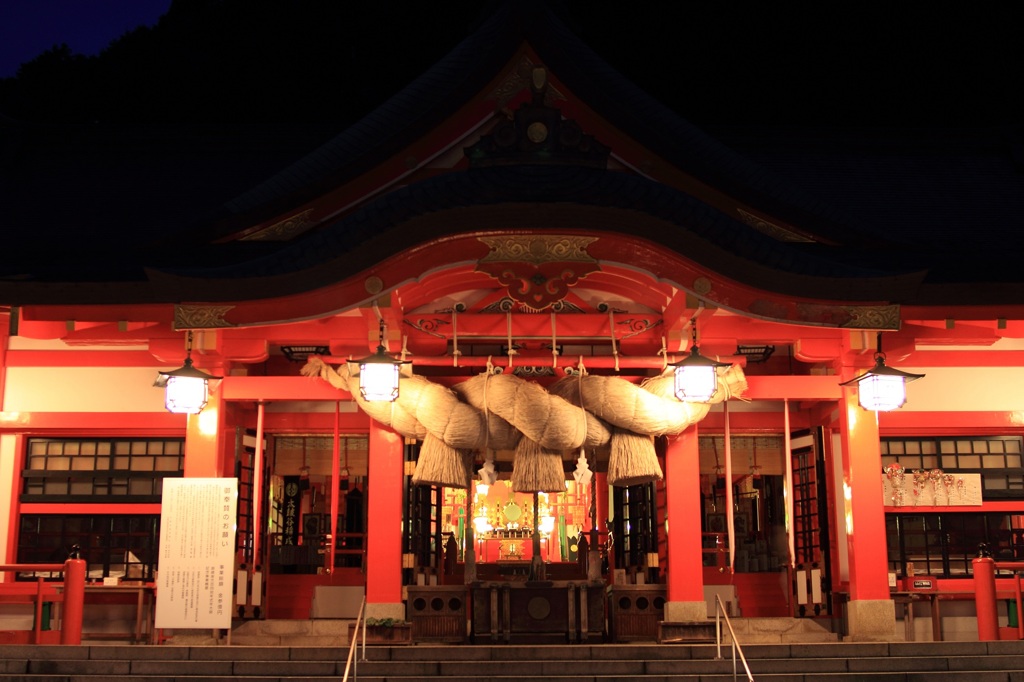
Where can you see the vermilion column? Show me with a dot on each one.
(202, 440)
(682, 495)
(600, 492)
(384, 524)
(871, 611)
(864, 513)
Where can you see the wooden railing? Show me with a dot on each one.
(70, 594)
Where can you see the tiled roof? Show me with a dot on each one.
(97, 204)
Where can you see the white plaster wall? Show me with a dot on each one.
(953, 389)
(7, 483)
(82, 389)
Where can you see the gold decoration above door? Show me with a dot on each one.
(538, 269)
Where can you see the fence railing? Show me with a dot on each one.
(69, 594)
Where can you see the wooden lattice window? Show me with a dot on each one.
(85, 469)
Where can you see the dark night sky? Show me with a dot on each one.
(832, 62)
(29, 27)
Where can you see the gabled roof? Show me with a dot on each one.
(815, 219)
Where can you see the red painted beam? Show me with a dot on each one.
(84, 358)
(908, 422)
(88, 508)
(816, 387)
(279, 388)
(110, 423)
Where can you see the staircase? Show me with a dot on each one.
(872, 662)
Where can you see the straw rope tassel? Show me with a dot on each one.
(633, 459)
(536, 469)
(441, 464)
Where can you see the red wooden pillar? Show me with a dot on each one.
(74, 601)
(203, 454)
(685, 577)
(384, 523)
(871, 611)
(600, 492)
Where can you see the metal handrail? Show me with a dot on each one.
(350, 660)
(719, 613)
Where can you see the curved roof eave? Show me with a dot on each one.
(545, 198)
(465, 71)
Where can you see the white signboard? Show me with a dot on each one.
(197, 553)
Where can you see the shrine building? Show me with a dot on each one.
(543, 255)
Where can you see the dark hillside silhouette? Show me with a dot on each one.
(243, 61)
(327, 61)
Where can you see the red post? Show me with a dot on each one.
(74, 602)
(985, 598)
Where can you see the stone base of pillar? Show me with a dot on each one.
(381, 611)
(686, 611)
(871, 620)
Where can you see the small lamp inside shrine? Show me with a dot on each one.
(378, 374)
(882, 388)
(696, 377)
(186, 389)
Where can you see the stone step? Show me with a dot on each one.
(878, 662)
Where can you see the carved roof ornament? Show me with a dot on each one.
(284, 230)
(518, 79)
(774, 231)
(537, 134)
(201, 316)
(538, 269)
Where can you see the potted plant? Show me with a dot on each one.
(383, 631)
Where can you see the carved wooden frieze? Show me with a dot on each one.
(771, 229)
(284, 230)
(201, 316)
(538, 269)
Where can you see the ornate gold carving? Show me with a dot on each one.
(507, 304)
(841, 316)
(874, 316)
(771, 229)
(538, 249)
(521, 77)
(284, 230)
(201, 316)
(538, 270)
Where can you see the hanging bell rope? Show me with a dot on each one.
(455, 338)
(511, 348)
(611, 329)
(554, 344)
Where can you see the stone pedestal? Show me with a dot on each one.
(686, 611)
(871, 620)
(381, 611)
